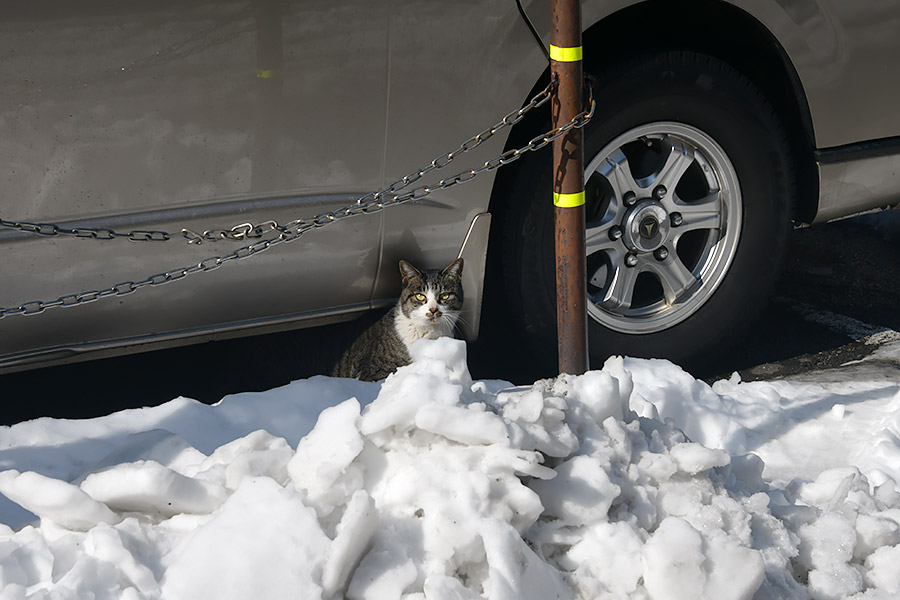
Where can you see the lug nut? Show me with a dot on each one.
(659, 192)
(631, 260)
(676, 219)
(630, 198)
(661, 253)
(615, 233)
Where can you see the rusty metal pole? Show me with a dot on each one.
(568, 187)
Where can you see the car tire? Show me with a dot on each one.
(684, 144)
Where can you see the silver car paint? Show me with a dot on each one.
(163, 115)
(158, 114)
(157, 117)
(847, 56)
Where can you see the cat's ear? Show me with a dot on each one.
(454, 269)
(408, 272)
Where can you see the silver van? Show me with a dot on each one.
(175, 172)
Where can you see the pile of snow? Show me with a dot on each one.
(635, 481)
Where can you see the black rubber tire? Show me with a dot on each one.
(705, 93)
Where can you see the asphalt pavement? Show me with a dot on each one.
(840, 285)
(836, 301)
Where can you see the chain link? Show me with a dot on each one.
(248, 230)
(373, 202)
(92, 233)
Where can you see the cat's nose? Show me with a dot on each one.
(434, 313)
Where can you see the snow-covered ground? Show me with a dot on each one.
(636, 481)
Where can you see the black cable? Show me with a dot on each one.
(533, 31)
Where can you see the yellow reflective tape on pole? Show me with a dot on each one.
(565, 54)
(568, 200)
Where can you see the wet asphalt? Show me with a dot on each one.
(850, 269)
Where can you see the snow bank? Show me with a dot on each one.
(635, 481)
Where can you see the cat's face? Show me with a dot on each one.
(432, 299)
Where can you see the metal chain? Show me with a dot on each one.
(368, 204)
(90, 233)
(249, 230)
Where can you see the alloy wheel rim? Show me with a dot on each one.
(663, 220)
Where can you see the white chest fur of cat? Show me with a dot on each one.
(428, 308)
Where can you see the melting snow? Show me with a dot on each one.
(635, 481)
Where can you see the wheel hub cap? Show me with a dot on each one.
(663, 226)
(646, 227)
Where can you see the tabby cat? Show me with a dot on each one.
(428, 308)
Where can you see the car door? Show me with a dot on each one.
(163, 116)
(454, 73)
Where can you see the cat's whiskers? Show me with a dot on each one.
(460, 319)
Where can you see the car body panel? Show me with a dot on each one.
(165, 115)
(837, 47)
(864, 184)
(453, 74)
(245, 150)
(203, 115)
(851, 88)
(847, 57)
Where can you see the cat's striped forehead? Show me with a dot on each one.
(433, 281)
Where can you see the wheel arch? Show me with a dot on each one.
(711, 27)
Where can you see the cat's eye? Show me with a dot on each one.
(421, 297)
(445, 297)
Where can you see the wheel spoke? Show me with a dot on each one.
(676, 279)
(680, 157)
(703, 214)
(617, 297)
(618, 172)
(597, 239)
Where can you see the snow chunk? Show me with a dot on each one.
(149, 487)
(158, 445)
(384, 574)
(673, 562)
(680, 564)
(838, 582)
(607, 560)
(604, 394)
(873, 532)
(57, 501)
(448, 353)
(693, 458)
(257, 454)
(462, 425)
(667, 392)
(354, 534)
(404, 394)
(263, 543)
(441, 587)
(833, 486)
(515, 571)
(537, 418)
(321, 468)
(109, 565)
(884, 569)
(581, 492)
(826, 545)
